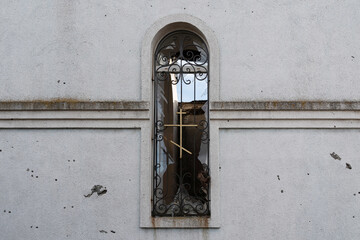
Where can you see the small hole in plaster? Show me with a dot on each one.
(348, 166)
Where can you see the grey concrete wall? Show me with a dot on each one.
(284, 184)
(45, 174)
(90, 50)
(275, 184)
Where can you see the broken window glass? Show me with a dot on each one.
(181, 178)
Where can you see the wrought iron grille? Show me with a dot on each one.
(181, 177)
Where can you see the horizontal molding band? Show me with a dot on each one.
(234, 124)
(284, 115)
(73, 124)
(285, 106)
(75, 115)
(56, 105)
(68, 104)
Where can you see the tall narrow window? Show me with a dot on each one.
(181, 178)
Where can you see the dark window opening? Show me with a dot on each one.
(181, 178)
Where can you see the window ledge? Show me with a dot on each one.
(180, 222)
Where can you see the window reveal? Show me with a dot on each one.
(181, 180)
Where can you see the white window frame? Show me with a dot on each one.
(154, 34)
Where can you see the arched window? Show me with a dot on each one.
(181, 177)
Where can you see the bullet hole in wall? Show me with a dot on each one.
(348, 166)
(335, 156)
(100, 190)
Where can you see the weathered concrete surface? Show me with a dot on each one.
(279, 50)
(317, 197)
(73, 104)
(285, 105)
(45, 174)
(274, 55)
(275, 184)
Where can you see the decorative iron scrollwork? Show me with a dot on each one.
(181, 177)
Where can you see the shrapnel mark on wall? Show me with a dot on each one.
(335, 156)
(348, 166)
(100, 190)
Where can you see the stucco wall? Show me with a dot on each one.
(45, 174)
(320, 195)
(273, 183)
(90, 50)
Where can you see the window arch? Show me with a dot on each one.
(181, 176)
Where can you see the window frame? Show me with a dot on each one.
(153, 36)
(192, 162)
